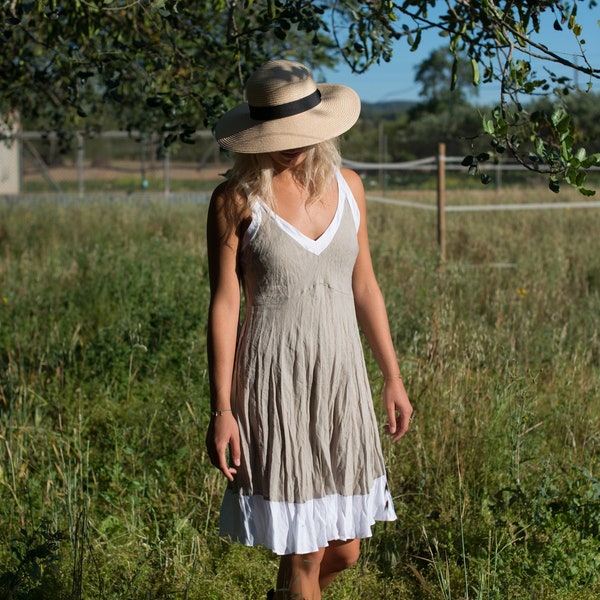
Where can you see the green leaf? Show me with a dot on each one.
(467, 161)
(475, 68)
(501, 127)
(560, 120)
(581, 154)
(554, 185)
(417, 40)
(591, 161)
(485, 178)
(488, 125)
(540, 148)
(454, 74)
(172, 137)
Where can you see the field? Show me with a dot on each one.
(106, 492)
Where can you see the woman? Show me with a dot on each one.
(290, 399)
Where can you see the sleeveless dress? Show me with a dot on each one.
(312, 469)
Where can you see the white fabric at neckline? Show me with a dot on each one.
(324, 240)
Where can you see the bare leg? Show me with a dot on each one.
(339, 555)
(304, 576)
(298, 577)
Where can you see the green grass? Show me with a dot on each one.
(105, 488)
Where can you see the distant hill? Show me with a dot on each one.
(386, 109)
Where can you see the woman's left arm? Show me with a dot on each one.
(373, 320)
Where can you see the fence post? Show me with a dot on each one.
(80, 164)
(441, 200)
(381, 159)
(167, 173)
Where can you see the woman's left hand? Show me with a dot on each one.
(398, 408)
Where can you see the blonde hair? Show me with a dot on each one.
(252, 174)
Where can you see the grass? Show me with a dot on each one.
(105, 488)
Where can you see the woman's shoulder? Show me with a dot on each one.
(354, 181)
(229, 204)
(224, 192)
(351, 177)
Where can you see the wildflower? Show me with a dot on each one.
(521, 292)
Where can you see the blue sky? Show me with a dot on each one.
(395, 80)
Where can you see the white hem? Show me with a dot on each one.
(300, 528)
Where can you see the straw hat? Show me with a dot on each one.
(286, 109)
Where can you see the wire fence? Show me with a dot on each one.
(117, 162)
(111, 162)
(107, 166)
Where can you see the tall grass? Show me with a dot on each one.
(105, 488)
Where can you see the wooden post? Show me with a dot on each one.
(381, 157)
(167, 173)
(80, 165)
(441, 200)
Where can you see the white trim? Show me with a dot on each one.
(299, 528)
(254, 226)
(322, 242)
(343, 184)
(315, 246)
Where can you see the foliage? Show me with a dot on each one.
(173, 66)
(145, 65)
(35, 565)
(105, 488)
(499, 40)
(442, 81)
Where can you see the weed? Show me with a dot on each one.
(106, 491)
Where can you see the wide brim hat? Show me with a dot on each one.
(286, 109)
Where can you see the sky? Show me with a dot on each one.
(395, 80)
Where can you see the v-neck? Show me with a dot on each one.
(318, 245)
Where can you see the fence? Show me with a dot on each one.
(440, 164)
(117, 162)
(110, 162)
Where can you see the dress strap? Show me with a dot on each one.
(256, 218)
(347, 194)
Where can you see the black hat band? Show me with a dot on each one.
(289, 109)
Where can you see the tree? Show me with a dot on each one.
(144, 65)
(435, 76)
(442, 89)
(172, 65)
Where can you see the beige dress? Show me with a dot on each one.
(312, 469)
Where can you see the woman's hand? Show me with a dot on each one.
(223, 434)
(398, 408)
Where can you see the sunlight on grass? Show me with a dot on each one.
(105, 488)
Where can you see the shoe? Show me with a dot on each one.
(270, 594)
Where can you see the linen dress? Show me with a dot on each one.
(312, 469)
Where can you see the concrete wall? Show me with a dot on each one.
(10, 160)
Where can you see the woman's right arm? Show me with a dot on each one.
(223, 320)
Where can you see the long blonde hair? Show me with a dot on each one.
(252, 174)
